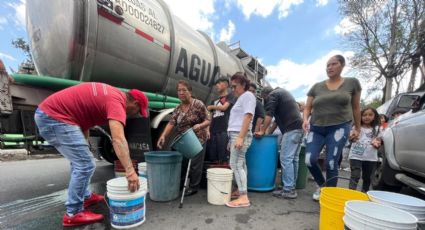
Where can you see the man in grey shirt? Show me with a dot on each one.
(281, 105)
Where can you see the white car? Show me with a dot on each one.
(403, 152)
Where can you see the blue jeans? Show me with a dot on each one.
(289, 156)
(71, 143)
(238, 161)
(334, 137)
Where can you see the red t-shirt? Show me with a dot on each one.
(86, 105)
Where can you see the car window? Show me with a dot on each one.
(407, 100)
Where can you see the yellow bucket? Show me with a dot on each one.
(332, 201)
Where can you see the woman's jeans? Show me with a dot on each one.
(238, 162)
(71, 143)
(334, 137)
(289, 156)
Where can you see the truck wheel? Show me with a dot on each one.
(384, 176)
(107, 151)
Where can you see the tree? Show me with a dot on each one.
(383, 38)
(375, 103)
(26, 66)
(418, 21)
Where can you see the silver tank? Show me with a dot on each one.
(129, 43)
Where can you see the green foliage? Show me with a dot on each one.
(375, 103)
(26, 66)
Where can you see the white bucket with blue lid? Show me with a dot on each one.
(127, 210)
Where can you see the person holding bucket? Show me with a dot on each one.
(334, 104)
(239, 130)
(191, 113)
(64, 119)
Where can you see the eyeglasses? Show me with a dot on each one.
(233, 87)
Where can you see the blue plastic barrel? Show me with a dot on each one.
(164, 168)
(261, 160)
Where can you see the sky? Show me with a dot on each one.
(292, 38)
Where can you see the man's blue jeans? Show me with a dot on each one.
(289, 156)
(70, 142)
(334, 137)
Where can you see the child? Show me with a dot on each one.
(384, 122)
(363, 153)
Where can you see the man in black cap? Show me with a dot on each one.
(220, 110)
(281, 105)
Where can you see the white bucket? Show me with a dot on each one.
(142, 168)
(219, 185)
(413, 205)
(113, 185)
(127, 210)
(143, 171)
(365, 215)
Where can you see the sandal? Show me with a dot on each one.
(232, 204)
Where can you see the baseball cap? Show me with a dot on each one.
(142, 99)
(222, 79)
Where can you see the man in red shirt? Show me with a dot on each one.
(64, 120)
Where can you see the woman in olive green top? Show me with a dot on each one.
(334, 105)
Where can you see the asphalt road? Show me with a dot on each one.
(33, 192)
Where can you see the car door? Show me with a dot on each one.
(410, 142)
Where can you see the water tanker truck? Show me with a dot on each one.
(125, 43)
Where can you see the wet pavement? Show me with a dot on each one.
(33, 193)
(37, 204)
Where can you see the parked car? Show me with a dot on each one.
(400, 102)
(402, 155)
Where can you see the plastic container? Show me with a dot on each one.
(219, 185)
(124, 189)
(302, 170)
(164, 168)
(187, 144)
(332, 202)
(413, 205)
(143, 172)
(370, 216)
(127, 210)
(261, 159)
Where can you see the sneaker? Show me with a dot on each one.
(277, 192)
(289, 194)
(81, 218)
(93, 199)
(316, 195)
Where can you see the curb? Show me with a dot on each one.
(23, 154)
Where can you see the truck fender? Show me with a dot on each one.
(160, 117)
(388, 138)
